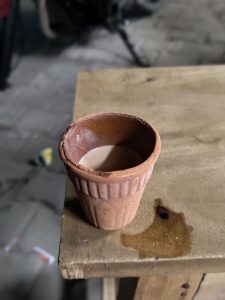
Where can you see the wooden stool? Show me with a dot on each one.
(179, 231)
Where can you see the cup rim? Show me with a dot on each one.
(105, 174)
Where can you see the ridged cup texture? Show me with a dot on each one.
(110, 200)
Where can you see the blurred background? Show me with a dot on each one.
(43, 46)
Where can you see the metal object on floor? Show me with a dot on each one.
(79, 16)
(140, 61)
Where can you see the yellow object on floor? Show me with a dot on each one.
(47, 155)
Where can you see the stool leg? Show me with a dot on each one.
(109, 289)
(175, 287)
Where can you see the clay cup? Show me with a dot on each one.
(109, 199)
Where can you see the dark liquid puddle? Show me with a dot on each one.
(167, 236)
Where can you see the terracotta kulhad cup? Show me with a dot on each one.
(109, 199)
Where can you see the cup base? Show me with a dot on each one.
(113, 214)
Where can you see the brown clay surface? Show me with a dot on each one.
(110, 202)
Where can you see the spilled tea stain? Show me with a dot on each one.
(167, 236)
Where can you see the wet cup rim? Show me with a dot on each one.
(80, 169)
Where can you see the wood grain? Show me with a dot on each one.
(167, 287)
(212, 287)
(187, 106)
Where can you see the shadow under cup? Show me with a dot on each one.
(110, 196)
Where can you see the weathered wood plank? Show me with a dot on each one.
(171, 287)
(187, 105)
(212, 287)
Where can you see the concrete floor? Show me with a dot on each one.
(38, 105)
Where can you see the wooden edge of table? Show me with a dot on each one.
(137, 269)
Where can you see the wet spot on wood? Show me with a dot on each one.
(167, 236)
(149, 79)
(162, 212)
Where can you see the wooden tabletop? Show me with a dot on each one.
(180, 224)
